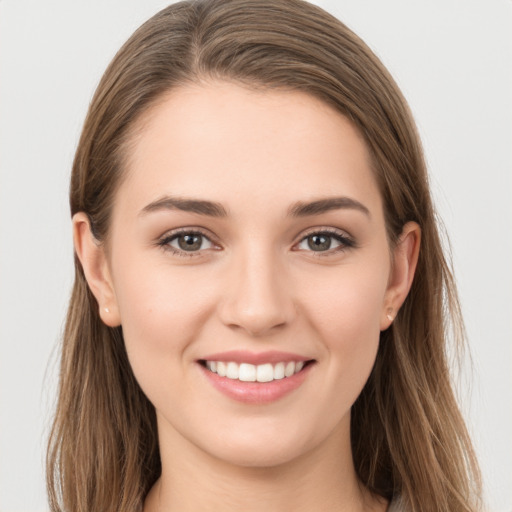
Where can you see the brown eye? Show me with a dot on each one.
(319, 242)
(189, 242)
(325, 241)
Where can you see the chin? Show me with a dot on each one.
(263, 448)
(258, 456)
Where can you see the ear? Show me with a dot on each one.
(91, 254)
(405, 259)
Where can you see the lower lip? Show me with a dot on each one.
(257, 392)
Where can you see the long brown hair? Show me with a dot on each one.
(408, 436)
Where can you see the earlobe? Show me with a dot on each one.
(405, 259)
(95, 265)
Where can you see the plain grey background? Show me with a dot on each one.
(452, 59)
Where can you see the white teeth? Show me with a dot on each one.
(254, 373)
(247, 372)
(279, 371)
(289, 369)
(264, 373)
(232, 371)
(221, 369)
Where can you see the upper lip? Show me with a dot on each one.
(243, 356)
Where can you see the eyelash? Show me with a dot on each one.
(165, 241)
(345, 241)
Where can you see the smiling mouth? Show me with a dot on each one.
(246, 372)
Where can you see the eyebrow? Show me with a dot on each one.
(198, 206)
(214, 209)
(303, 209)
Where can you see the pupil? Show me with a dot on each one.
(319, 242)
(190, 242)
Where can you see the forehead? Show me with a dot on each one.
(228, 143)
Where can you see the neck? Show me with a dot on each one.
(322, 479)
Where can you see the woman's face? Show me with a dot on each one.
(249, 230)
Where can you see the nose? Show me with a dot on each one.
(257, 296)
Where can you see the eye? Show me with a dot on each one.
(325, 241)
(186, 242)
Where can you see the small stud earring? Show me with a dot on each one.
(107, 310)
(389, 316)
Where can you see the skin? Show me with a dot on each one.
(254, 284)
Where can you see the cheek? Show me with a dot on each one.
(347, 302)
(162, 311)
(154, 297)
(345, 310)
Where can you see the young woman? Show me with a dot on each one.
(260, 312)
